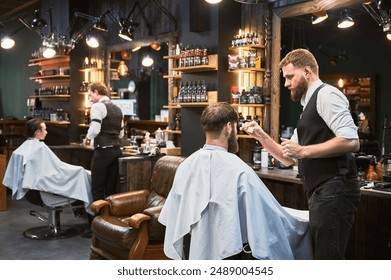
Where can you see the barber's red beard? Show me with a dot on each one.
(233, 145)
(300, 90)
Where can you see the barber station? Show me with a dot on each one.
(195, 130)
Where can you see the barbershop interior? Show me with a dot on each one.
(164, 62)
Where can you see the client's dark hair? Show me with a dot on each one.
(32, 126)
(217, 115)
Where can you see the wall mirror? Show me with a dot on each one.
(361, 92)
(142, 78)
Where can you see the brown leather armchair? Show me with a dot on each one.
(126, 225)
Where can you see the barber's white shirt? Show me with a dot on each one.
(333, 107)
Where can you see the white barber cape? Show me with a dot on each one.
(223, 204)
(34, 166)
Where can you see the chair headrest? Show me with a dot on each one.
(163, 174)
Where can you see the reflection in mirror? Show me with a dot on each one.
(149, 85)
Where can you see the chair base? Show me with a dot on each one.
(47, 232)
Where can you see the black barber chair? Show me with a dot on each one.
(54, 205)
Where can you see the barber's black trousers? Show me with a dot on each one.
(104, 171)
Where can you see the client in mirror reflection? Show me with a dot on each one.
(34, 166)
(220, 203)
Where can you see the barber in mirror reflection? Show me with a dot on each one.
(105, 131)
(322, 144)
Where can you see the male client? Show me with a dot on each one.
(223, 205)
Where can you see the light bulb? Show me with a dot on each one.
(122, 68)
(147, 61)
(7, 43)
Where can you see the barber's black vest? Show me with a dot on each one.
(110, 127)
(312, 129)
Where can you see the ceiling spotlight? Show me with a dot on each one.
(100, 24)
(319, 17)
(7, 42)
(92, 41)
(38, 21)
(147, 61)
(48, 52)
(124, 34)
(213, 1)
(345, 21)
(388, 35)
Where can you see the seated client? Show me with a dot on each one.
(34, 166)
(220, 204)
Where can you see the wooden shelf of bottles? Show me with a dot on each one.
(41, 61)
(51, 77)
(90, 69)
(212, 66)
(247, 47)
(53, 96)
(185, 104)
(248, 70)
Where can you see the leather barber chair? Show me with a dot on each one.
(126, 225)
(54, 205)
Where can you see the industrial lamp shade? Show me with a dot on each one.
(122, 69)
(92, 41)
(7, 43)
(156, 46)
(147, 61)
(319, 17)
(346, 21)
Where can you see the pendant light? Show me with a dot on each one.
(122, 69)
(319, 17)
(7, 42)
(346, 21)
(147, 61)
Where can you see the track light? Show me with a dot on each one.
(319, 17)
(38, 21)
(213, 1)
(92, 41)
(147, 61)
(7, 42)
(100, 24)
(345, 21)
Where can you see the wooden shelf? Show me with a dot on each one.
(51, 77)
(90, 69)
(247, 47)
(55, 59)
(244, 136)
(248, 105)
(57, 96)
(176, 56)
(212, 66)
(172, 131)
(172, 76)
(248, 70)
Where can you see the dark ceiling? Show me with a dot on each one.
(11, 7)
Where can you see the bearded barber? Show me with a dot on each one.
(322, 144)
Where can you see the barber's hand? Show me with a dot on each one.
(86, 142)
(290, 149)
(251, 128)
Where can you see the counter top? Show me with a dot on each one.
(285, 175)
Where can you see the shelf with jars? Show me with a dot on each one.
(51, 100)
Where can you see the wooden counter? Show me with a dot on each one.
(370, 236)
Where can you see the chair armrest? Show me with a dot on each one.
(128, 203)
(97, 206)
(153, 212)
(137, 219)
